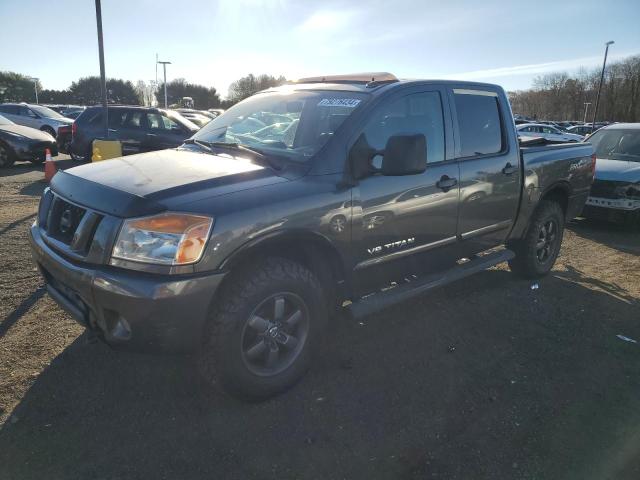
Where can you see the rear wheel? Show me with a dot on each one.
(49, 130)
(537, 251)
(7, 156)
(262, 332)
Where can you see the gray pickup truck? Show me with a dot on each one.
(333, 192)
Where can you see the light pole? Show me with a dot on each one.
(103, 76)
(164, 68)
(586, 109)
(35, 86)
(604, 64)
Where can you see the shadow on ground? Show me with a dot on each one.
(20, 168)
(614, 235)
(483, 379)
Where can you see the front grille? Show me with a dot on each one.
(63, 220)
(69, 225)
(605, 189)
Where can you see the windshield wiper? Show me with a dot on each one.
(254, 152)
(200, 143)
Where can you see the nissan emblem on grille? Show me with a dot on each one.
(66, 220)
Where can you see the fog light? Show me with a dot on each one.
(122, 330)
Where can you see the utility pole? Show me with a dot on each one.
(103, 77)
(164, 68)
(604, 64)
(35, 86)
(586, 109)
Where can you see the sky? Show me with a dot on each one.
(216, 42)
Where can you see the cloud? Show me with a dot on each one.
(533, 68)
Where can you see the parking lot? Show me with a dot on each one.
(491, 377)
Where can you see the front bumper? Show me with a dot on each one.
(626, 204)
(130, 310)
(35, 150)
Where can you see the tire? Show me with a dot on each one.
(338, 223)
(537, 251)
(632, 220)
(7, 156)
(49, 130)
(276, 305)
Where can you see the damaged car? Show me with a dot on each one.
(615, 193)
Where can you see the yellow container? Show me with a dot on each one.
(106, 149)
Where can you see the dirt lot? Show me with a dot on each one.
(484, 379)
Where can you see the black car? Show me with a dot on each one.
(18, 142)
(140, 129)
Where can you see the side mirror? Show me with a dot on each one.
(404, 155)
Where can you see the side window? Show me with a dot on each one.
(4, 109)
(134, 120)
(116, 118)
(158, 121)
(416, 113)
(25, 112)
(478, 122)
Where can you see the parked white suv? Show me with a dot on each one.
(546, 131)
(35, 116)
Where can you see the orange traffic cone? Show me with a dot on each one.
(49, 166)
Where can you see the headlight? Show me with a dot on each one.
(166, 239)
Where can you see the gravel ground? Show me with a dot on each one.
(484, 379)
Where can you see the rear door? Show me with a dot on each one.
(489, 167)
(400, 223)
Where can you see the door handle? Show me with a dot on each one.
(509, 169)
(446, 183)
(151, 135)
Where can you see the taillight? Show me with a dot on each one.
(74, 128)
(593, 167)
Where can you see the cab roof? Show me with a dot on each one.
(367, 82)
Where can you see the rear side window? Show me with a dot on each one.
(478, 122)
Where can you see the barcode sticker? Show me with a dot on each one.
(339, 102)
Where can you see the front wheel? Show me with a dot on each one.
(7, 157)
(537, 251)
(49, 130)
(262, 332)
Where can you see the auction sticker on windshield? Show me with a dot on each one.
(339, 102)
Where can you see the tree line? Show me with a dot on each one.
(560, 96)
(15, 87)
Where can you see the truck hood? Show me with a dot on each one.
(617, 170)
(145, 183)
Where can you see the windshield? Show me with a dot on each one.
(45, 111)
(617, 144)
(5, 121)
(291, 124)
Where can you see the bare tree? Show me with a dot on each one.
(560, 96)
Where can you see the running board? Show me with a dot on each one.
(374, 302)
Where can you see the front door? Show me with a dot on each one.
(400, 221)
(128, 126)
(489, 169)
(163, 132)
